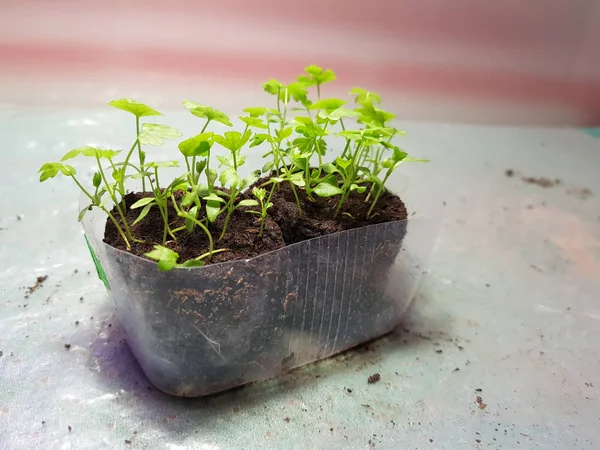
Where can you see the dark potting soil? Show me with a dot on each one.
(241, 237)
(283, 226)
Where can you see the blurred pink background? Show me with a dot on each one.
(508, 62)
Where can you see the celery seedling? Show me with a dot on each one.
(138, 110)
(260, 194)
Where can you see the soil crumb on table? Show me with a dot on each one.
(541, 181)
(374, 378)
(583, 193)
(39, 282)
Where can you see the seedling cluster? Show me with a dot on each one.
(295, 133)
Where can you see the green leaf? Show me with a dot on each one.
(83, 212)
(369, 114)
(200, 165)
(259, 193)
(363, 96)
(157, 164)
(328, 104)
(343, 163)
(189, 223)
(251, 178)
(143, 214)
(284, 133)
(118, 174)
(51, 169)
(189, 198)
(338, 113)
(91, 152)
(230, 177)
(248, 202)
(357, 188)
(198, 145)
(254, 122)
(175, 184)
(298, 179)
(211, 177)
(212, 210)
(327, 190)
(329, 168)
(411, 159)
(167, 258)
(233, 140)
(258, 139)
(133, 107)
(315, 75)
(154, 134)
(138, 175)
(299, 93)
(352, 135)
(191, 263)
(206, 112)
(212, 197)
(255, 111)
(97, 180)
(268, 167)
(272, 87)
(142, 202)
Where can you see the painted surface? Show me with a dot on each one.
(508, 305)
(513, 62)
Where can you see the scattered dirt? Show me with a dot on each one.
(541, 181)
(348, 389)
(509, 172)
(374, 378)
(478, 390)
(67, 346)
(581, 193)
(1, 353)
(479, 401)
(69, 427)
(39, 282)
(286, 419)
(127, 441)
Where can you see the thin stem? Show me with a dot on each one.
(119, 229)
(380, 190)
(84, 190)
(318, 92)
(111, 193)
(195, 178)
(139, 146)
(204, 255)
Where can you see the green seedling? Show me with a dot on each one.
(260, 195)
(100, 183)
(167, 258)
(139, 110)
(160, 196)
(234, 142)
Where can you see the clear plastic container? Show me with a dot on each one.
(204, 330)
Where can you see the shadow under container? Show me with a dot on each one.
(207, 329)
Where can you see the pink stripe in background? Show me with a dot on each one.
(523, 62)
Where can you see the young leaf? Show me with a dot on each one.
(83, 212)
(343, 163)
(363, 96)
(154, 134)
(371, 115)
(143, 214)
(233, 140)
(255, 111)
(213, 208)
(133, 107)
(230, 177)
(206, 112)
(211, 176)
(329, 168)
(251, 178)
(142, 202)
(91, 152)
(200, 165)
(198, 145)
(51, 169)
(258, 139)
(327, 190)
(248, 202)
(328, 104)
(338, 113)
(254, 122)
(157, 164)
(212, 197)
(299, 93)
(315, 75)
(259, 193)
(189, 223)
(357, 188)
(272, 87)
(268, 167)
(167, 258)
(97, 180)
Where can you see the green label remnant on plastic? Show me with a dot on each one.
(99, 269)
